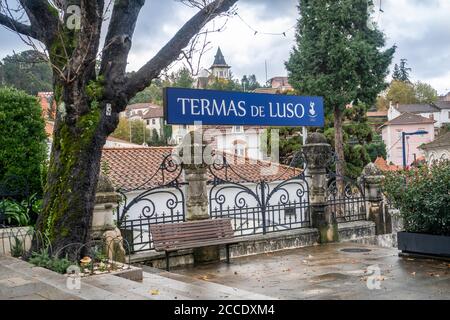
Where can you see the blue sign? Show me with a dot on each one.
(211, 107)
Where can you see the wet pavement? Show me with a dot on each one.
(328, 272)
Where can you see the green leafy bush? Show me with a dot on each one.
(44, 260)
(23, 148)
(21, 214)
(423, 197)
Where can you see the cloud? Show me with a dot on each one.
(420, 29)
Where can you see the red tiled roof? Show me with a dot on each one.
(382, 164)
(140, 106)
(409, 118)
(154, 112)
(377, 114)
(138, 168)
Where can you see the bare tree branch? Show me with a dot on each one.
(118, 43)
(84, 55)
(18, 27)
(43, 20)
(171, 51)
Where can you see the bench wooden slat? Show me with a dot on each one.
(194, 234)
(191, 233)
(199, 245)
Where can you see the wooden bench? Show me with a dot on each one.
(170, 237)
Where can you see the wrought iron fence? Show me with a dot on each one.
(278, 203)
(347, 202)
(161, 201)
(266, 206)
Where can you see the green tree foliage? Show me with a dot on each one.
(135, 128)
(23, 149)
(422, 197)
(338, 56)
(425, 93)
(154, 93)
(401, 73)
(27, 71)
(401, 92)
(407, 93)
(377, 148)
(151, 94)
(180, 79)
(358, 136)
(225, 84)
(249, 83)
(140, 134)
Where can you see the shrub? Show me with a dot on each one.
(423, 197)
(23, 140)
(44, 260)
(21, 214)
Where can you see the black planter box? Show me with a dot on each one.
(426, 244)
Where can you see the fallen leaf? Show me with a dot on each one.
(287, 270)
(310, 257)
(413, 274)
(204, 278)
(154, 292)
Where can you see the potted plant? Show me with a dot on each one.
(423, 197)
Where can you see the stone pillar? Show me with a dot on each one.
(103, 227)
(318, 154)
(373, 178)
(195, 159)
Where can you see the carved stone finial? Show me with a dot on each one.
(104, 184)
(372, 170)
(316, 137)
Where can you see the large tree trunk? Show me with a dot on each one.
(340, 161)
(69, 195)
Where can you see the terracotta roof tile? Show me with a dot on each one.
(409, 118)
(442, 141)
(382, 164)
(131, 169)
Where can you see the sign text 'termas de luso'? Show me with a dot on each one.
(186, 106)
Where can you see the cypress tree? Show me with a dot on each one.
(338, 55)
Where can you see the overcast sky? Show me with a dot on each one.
(420, 28)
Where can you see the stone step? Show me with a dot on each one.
(132, 290)
(212, 290)
(47, 284)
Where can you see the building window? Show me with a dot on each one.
(148, 122)
(153, 121)
(239, 150)
(238, 129)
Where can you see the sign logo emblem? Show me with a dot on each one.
(312, 110)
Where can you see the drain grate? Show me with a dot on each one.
(355, 250)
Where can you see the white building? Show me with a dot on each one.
(437, 150)
(439, 111)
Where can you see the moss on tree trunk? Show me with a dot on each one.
(72, 177)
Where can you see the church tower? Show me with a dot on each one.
(220, 69)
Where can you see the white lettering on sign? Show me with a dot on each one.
(283, 110)
(202, 107)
